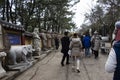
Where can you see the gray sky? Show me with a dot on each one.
(80, 9)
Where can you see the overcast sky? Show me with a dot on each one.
(80, 9)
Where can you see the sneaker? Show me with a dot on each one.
(78, 71)
(62, 64)
(68, 63)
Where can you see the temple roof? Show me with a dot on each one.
(11, 26)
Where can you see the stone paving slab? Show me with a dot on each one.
(50, 69)
(10, 75)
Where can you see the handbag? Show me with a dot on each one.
(69, 52)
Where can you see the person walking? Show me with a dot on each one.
(87, 44)
(56, 42)
(113, 62)
(65, 41)
(81, 37)
(95, 40)
(75, 47)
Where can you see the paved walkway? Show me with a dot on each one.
(50, 69)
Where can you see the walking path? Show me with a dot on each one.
(50, 69)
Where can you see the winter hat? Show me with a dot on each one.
(95, 32)
(117, 25)
(117, 31)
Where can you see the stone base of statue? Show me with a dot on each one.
(2, 71)
(20, 66)
(44, 49)
(36, 54)
(48, 51)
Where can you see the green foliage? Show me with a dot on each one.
(47, 14)
(104, 15)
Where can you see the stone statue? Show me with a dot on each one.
(49, 40)
(2, 71)
(20, 53)
(53, 39)
(36, 42)
(44, 40)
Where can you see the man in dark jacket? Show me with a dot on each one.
(65, 47)
(56, 42)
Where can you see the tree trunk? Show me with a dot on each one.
(7, 10)
(3, 12)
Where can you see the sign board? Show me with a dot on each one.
(14, 39)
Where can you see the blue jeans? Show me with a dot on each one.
(87, 51)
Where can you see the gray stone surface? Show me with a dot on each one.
(20, 66)
(10, 75)
(50, 69)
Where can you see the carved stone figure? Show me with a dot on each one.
(36, 42)
(44, 40)
(2, 71)
(20, 53)
(49, 38)
(53, 39)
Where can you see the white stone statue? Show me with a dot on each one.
(36, 42)
(20, 53)
(2, 71)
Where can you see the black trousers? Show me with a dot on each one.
(57, 46)
(96, 53)
(65, 56)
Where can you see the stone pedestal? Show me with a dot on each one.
(20, 66)
(2, 71)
